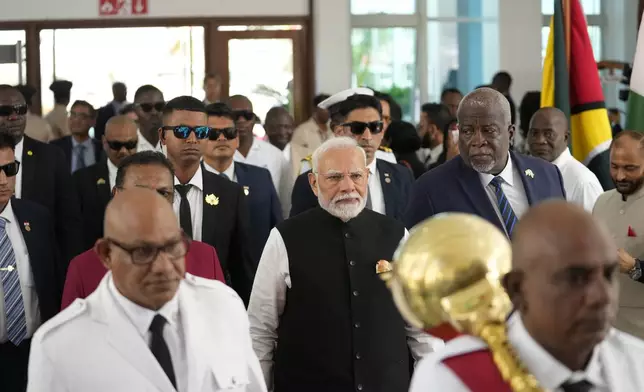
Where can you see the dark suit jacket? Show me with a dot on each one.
(46, 180)
(395, 191)
(38, 233)
(86, 271)
(455, 187)
(225, 226)
(65, 143)
(263, 204)
(92, 185)
(103, 115)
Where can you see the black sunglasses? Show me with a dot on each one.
(183, 131)
(10, 169)
(117, 146)
(358, 127)
(229, 133)
(246, 114)
(147, 107)
(8, 110)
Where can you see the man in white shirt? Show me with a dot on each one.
(317, 281)
(260, 153)
(148, 325)
(548, 138)
(149, 104)
(564, 287)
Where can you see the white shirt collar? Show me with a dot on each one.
(372, 167)
(111, 171)
(549, 371)
(229, 172)
(18, 150)
(563, 158)
(7, 213)
(196, 180)
(145, 145)
(506, 174)
(142, 317)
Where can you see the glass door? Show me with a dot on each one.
(13, 65)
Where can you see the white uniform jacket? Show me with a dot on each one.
(92, 346)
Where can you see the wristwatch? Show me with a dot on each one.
(636, 272)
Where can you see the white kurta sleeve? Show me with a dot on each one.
(267, 301)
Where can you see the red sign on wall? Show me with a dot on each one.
(122, 7)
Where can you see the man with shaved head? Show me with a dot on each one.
(564, 288)
(279, 126)
(94, 183)
(622, 210)
(548, 138)
(149, 325)
(487, 179)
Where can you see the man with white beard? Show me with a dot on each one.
(321, 319)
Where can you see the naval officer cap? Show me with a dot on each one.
(62, 87)
(343, 95)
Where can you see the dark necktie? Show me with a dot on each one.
(80, 157)
(185, 216)
(224, 176)
(160, 349)
(579, 386)
(507, 213)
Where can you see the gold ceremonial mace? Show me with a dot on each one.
(450, 270)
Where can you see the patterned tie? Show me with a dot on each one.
(80, 157)
(579, 386)
(14, 306)
(507, 213)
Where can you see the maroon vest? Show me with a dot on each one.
(478, 371)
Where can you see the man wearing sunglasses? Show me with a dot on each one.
(44, 177)
(30, 282)
(263, 203)
(149, 325)
(356, 113)
(209, 207)
(260, 153)
(148, 105)
(94, 184)
(80, 149)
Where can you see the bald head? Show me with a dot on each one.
(489, 99)
(279, 126)
(120, 139)
(118, 123)
(548, 134)
(240, 102)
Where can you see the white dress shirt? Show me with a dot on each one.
(268, 156)
(375, 189)
(268, 299)
(111, 171)
(429, 156)
(287, 152)
(144, 145)
(23, 269)
(229, 172)
(18, 154)
(512, 187)
(195, 199)
(581, 185)
(142, 318)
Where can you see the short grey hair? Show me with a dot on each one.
(335, 143)
(487, 97)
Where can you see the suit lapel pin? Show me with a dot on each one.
(387, 179)
(246, 190)
(100, 181)
(529, 173)
(30, 153)
(212, 200)
(27, 226)
(383, 266)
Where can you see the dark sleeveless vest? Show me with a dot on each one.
(340, 330)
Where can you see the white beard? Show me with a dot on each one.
(344, 212)
(483, 168)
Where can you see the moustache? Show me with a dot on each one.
(346, 196)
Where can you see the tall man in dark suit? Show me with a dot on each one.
(44, 175)
(356, 113)
(261, 196)
(94, 183)
(29, 277)
(113, 108)
(486, 179)
(210, 208)
(80, 149)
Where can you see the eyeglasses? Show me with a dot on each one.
(357, 177)
(8, 110)
(10, 169)
(229, 133)
(143, 255)
(183, 131)
(147, 107)
(358, 127)
(246, 114)
(117, 146)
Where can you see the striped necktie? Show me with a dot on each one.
(14, 306)
(507, 213)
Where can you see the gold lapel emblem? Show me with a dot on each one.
(30, 153)
(212, 200)
(529, 173)
(246, 190)
(383, 266)
(100, 181)
(27, 226)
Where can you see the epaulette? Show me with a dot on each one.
(308, 159)
(75, 309)
(385, 149)
(208, 284)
